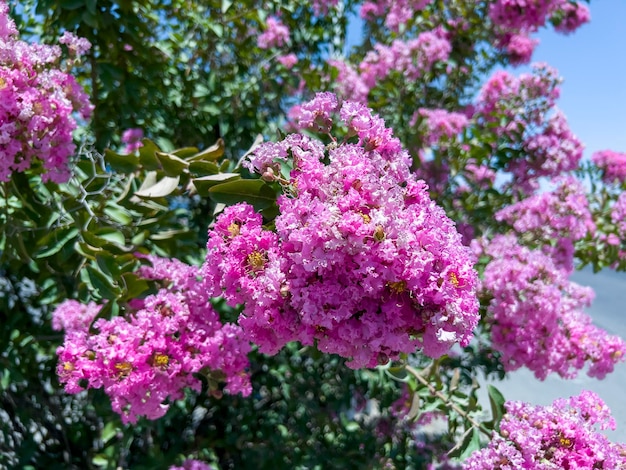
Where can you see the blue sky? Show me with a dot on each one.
(593, 63)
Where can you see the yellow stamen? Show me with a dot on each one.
(233, 229)
(379, 233)
(256, 261)
(160, 360)
(123, 369)
(397, 287)
(366, 218)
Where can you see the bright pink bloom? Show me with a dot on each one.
(149, 358)
(612, 164)
(38, 102)
(77, 45)
(520, 48)
(363, 264)
(71, 315)
(536, 314)
(571, 16)
(287, 61)
(132, 138)
(276, 34)
(191, 464)
(562, 435)
(441, 125)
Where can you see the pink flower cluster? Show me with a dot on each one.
(480, 175)
(563, 435)
(192, 464)
(132, 138)
(412, 58)
(536, 314)
(362, 263)
(146, 360)
(78, 46)
(515, 20)
(441, 124)
(612, 164)
(287, 61)
(276, 34)
(396, 12)
(525, 15)
(560, 216)
(349, 85)
(37, 105)
(523, 100)
(517, 110)
(519, 48)
(71, 315)
(618, 216)
(571, 16)
(551, 151)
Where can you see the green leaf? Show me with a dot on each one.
(111, 235)
(496, 399)
(415, 407)
(172, 165)
(205, 183)
(226, 4)
(200, 168)
(254, 192)
(109, 431)
(118, 215)
(134, 286)
(185, 152)
(147, 155)
(164, 187)
(469, 443)
(55, 241)
(102, 284)
(121, 163)
(214, 152)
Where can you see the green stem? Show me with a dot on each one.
(415, 373)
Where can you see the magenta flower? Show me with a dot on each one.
(562, 435)
(276, 34)
(362, 263)
(38, 106)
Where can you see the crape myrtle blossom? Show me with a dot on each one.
(618, 215)
(563, 435)
(515, 20)
(276, 34)
(72, 315)
(612, 164)
(530, 15)
(146, 360)
(440, 124)
(570, 17)
(519, 48)
(132, 139)
(396, 12)
(536, 314)
(78, 46)
(412, 58)
(192, 464)
(521, 112)
(560, 217)
(349, 85)
(362, 263)
(37, 105)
